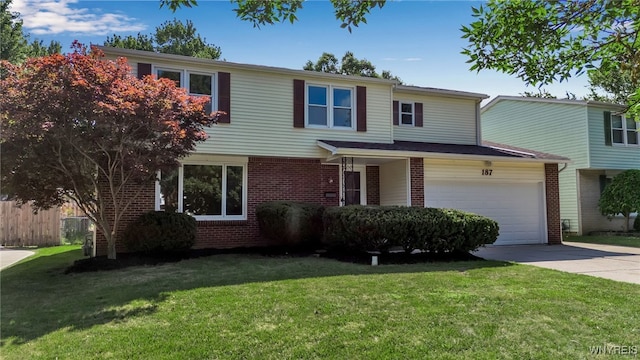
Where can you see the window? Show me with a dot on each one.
(205, 191)
(198, 84)
(406, 113)
(329, 106)
(623, 131)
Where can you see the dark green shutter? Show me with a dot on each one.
(607, 128)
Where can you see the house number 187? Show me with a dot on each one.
(487, 172)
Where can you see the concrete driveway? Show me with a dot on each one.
(9, 257)
(618, 263)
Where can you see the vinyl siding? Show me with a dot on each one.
(608, 157)
(560, 129)
(446, 120)
(393, 183)
(469, 170)
(262, 116)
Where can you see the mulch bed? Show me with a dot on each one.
(124, 260)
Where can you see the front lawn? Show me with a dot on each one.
(255, 307)
(607, 240)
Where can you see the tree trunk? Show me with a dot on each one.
(627, 217)
(111, 246)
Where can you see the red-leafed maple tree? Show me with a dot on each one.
(81, 127)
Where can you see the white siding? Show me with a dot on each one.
(262, 116)
(559, 129)
(393, 183)
(445, 120)
(469, 170)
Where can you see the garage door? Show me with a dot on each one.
(517, 207)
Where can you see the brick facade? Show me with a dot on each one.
(268, 179)
(373, 185)
(552, 193)
(417, 181)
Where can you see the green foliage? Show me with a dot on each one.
(161, 233)
(260, 12)
(543, 41)
(349, 65)
(290, 223)
(14, 45)
(367, 228)
(172, 37)
(636, 224)
(622, 196)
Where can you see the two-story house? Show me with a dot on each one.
(339, 140)
(598, 139)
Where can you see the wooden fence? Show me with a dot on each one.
(19, 226)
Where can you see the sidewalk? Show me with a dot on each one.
(9, 257)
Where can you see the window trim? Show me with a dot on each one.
(224, 165)
(413, 113)
(330, 106)
(184, 81)
(625, 132)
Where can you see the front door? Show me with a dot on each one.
(353, 188)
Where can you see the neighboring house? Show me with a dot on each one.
(338, 140)
(596, 137)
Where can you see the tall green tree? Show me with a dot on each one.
(349, 65)
(261, 12)
(544, 41)
(14, 43)
(622, 196)
(172, 37)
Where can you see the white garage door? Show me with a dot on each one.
(517, 207)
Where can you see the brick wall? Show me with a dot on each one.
(373, 185)
(417, 181)
(268, 179)
(554, 230)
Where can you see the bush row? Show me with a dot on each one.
(375, 228)
(160, 233)
(290, 223)
(379, 228)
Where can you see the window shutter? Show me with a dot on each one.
(143, 70)
(607, 128)
(396, 113)
(418, 108)
(361, 98)
(224, 97)
(298, 103)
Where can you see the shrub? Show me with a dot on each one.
(371, 228)
(290, 223)
(161, 233)
(636, 224)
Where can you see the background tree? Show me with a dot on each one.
(546, 41)
(260, 12)
(622, 196)
(14, 43)
(125, 130)
(172, 37)
(349, 65)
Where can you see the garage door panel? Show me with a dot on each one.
(517, 207)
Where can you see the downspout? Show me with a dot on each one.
(564, 167)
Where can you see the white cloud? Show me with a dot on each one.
(413, 59)
(43, 17)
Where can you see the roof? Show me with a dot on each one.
(487, 151)
(188, 60)
(500, 98)
(435, 91)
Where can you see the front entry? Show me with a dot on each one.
(353, 189)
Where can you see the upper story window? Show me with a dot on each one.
(198, 84)
(329, 106)
(406, 113)
(624, 131)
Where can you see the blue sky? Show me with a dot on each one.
(419, 41)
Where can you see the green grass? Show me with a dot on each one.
(253, 307)
(607, 240)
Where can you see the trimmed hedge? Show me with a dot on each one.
(161, 233)
(290, 222)
(636, 224)
(372, 228)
